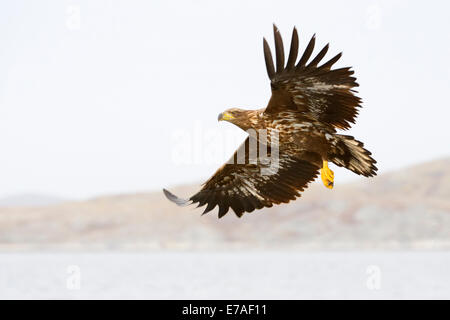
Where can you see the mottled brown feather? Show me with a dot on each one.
(323, 94)
(243, 188)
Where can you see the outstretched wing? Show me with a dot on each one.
(321, 93)
(244, 186)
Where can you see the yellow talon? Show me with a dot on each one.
(327, 175)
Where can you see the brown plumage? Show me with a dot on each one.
(292, 138)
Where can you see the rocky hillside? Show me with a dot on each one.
(404, 209)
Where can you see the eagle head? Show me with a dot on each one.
(244, 119)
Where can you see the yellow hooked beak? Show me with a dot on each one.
(225, 116)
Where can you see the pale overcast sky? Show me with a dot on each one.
(99, 97)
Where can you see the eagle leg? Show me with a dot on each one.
(327, 175)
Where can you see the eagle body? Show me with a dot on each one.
(291, 140)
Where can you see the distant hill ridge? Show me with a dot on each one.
(408, 208)
(29, 200)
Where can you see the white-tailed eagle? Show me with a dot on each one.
(298, 129)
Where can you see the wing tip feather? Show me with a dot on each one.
(173, 198)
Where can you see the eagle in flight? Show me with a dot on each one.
(290, 140)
